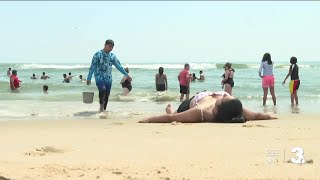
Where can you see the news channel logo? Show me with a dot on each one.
(273, 156)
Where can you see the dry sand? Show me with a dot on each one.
(120, 148)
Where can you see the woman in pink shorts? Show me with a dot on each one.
(266, 73)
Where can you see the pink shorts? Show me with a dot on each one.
(267, 81)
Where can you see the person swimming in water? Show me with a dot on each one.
(82, 79)
(65, 79)
(33, 76)
(219, 107)
(202, 78)
(44, 76)
(45, 89)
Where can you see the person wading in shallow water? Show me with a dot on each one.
(101, 68)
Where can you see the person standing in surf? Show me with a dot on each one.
(161, 80)
(266, 73)
(295, 82)
(101, 68)
(227, 81)
(184, 81)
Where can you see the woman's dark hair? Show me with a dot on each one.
(227, 65)
(267, 57)
(293, 60)
(160, 70)
(64, 75)
(14, 72)
(230, 111)
(33, 75)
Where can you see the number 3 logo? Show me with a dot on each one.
(299, 153)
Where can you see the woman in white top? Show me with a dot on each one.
(266, 73)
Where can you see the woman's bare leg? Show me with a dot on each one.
(273, 96)
(265, 93)
(227, 88)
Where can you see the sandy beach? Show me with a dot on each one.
(120, 148)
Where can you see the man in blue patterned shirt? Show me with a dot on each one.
(101, 67)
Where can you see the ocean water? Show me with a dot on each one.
(65, 100)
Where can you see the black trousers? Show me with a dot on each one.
(104, 98)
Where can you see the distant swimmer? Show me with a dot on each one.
(193, 77)
(44, 76)
(202, 78)
(82, 79)
(33, 76)
(70, 76)
(9, 72)
(45, 89)
(65, 79)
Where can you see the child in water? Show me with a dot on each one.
(45, 89)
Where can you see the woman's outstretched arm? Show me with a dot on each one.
(252, 116)
(192, 115)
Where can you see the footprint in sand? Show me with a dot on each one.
(117, 172)
(117, 123)
(44, 151)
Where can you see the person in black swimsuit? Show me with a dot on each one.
(126, 84)
(227, 81)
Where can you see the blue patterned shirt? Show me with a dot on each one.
(101, 66)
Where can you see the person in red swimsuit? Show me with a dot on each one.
(14, 81)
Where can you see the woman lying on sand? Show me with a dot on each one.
(207, 106)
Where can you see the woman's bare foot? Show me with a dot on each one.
(169, 109)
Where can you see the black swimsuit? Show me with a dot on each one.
(229, 80)
(127, 84)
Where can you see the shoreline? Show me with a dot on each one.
(121, 148)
